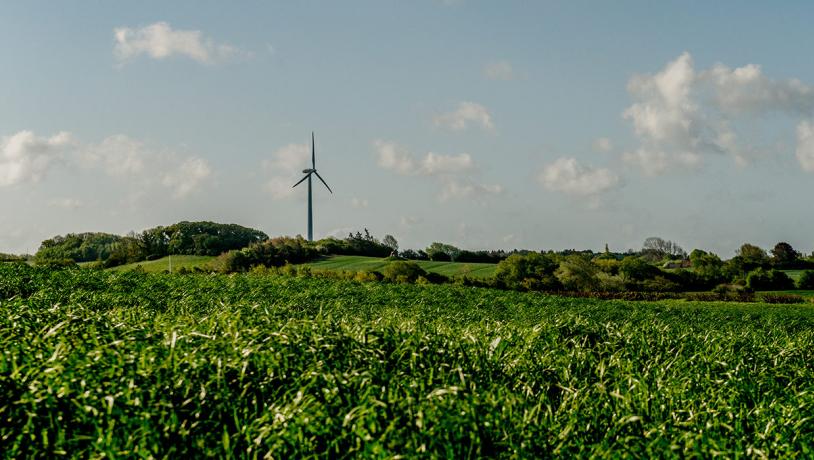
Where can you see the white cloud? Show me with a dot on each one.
(117, 155)
(433, 163)
(131, 160)
(747, 90)
(453, 188)
(396, 158)
(654, 162)
(409, 221)
(66, 203)
(187, 176)
(358, 202)
(805, 145)
(603, 144)
(681, 115)
(393, 157)
(24, 157)
(665, 112)
(446, 169)
(569, 176)
(467, 113)
(161, 41)
(499, 70)
(284, 167)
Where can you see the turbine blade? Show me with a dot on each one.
(313, 152)
(323, 181)
(301, 180)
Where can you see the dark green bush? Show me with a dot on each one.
(530, 272)
(768, 280)
(806, 280)
(403, 272)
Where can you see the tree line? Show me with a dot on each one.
(187, 238)
(659, 266)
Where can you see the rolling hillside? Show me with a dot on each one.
(160, 265)
(362, 263)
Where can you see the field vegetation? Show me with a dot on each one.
(362, 263)
(179, 263)
(660, 266)
(99, 363)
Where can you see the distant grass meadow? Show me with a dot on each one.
(163, 264)
(330, 263)
(362, 263)
(128, 364)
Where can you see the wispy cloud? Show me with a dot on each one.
(451, 171)
(129, 159)
(603, 145)
(805, 145)
(187, 176)
(66, 203)
(26, 157)
(467, 114)
(283, 168)
(455, 188)
(499, 70)
(569, 176)
(358, 202)
(160, 41)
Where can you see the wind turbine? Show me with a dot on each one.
(308, 173)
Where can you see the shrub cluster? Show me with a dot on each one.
(768, 280)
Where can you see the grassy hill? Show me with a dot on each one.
(351, 263)
(362, 263)
(160, 265)
(794, 274)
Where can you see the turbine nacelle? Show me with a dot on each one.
(308, 171)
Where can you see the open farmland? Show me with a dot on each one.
(163, 264)
(117, 364)
(362, 263)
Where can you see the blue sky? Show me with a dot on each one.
(535, 125)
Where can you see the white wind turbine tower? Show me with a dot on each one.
(308, 173)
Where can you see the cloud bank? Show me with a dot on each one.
(451, 171)
(681, 116)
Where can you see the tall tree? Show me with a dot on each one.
(390, 242)
(784, 255)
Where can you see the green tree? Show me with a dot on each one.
(707, 266)
(655, 249)
(636, 269)
(806, 280)
(752, 255)
(768, 280)
(783, 255)
(79, 247)
(577, 273)
(532, 269)
(442, 252)
(390, 242)
(198, 238)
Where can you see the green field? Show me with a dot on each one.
(127, 364)
(163, 264)
(794, 274)
(361, 263)
(800, 292)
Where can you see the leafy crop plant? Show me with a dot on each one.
(110, 364)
